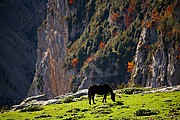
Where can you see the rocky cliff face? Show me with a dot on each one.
(157, 60)
(50, 77)
(18, 25)
(86, 42)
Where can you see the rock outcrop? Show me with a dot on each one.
(157, 61)
(51, 77)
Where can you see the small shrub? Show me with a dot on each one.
(69, 99)
(4, 109)
(168, 100)
(132, 90)
(43, 116)
(59, 116)
(125, 106)
(103, 109)
(173, 112)
(84, 110)
(74, 117)
(73, 110)
(145, 112)
(122, 85)
(32, 108)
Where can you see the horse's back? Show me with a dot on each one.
(99, 89)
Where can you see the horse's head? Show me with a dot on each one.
(113, 97)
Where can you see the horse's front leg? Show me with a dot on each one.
(93, 99)
(104, 98)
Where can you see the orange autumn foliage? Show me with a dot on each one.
(89, 59)
(101, 45)
(169, 10)
(127, 20)
(130, 66)
(71, 1)
(149, 24)
(74, 62)
(114, 17)
(146, 46)
(132, 6)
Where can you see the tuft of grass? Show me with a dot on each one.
(146, 112)
(132, 90)
(32, 108)
(74, 110)
(68, 99)
(42, 116)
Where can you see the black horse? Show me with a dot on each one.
(102, 89)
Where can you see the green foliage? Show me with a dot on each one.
(68, 99)
(4, 109)
(132, 90)
(42, 25)
(145, 112)
(32, 108)
(42, 116)
(74, 110)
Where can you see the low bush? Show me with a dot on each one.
(132, 90)
(146, 112)
(43, 116)
(4, 109)
(68, 99)
(32, 108)
(73, 110)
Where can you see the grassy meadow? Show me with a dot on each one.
(151, 106)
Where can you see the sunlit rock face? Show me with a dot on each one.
(50, 77)
(157, 61)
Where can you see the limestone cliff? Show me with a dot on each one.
(50, 77)
(85, 42)
(157, 61)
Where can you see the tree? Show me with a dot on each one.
(114, 17)
(71, 1)
(75, 62)
(127, 20)
(101, 45)
(130, 66)
(169, 10)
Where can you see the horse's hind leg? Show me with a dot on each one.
(89, 97)
(93, 99)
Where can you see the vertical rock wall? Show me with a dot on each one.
(50, 77)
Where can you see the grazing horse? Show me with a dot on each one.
(102, 89)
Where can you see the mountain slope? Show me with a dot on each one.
(87, 42)
(18, 25)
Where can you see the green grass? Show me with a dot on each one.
(135, 106)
